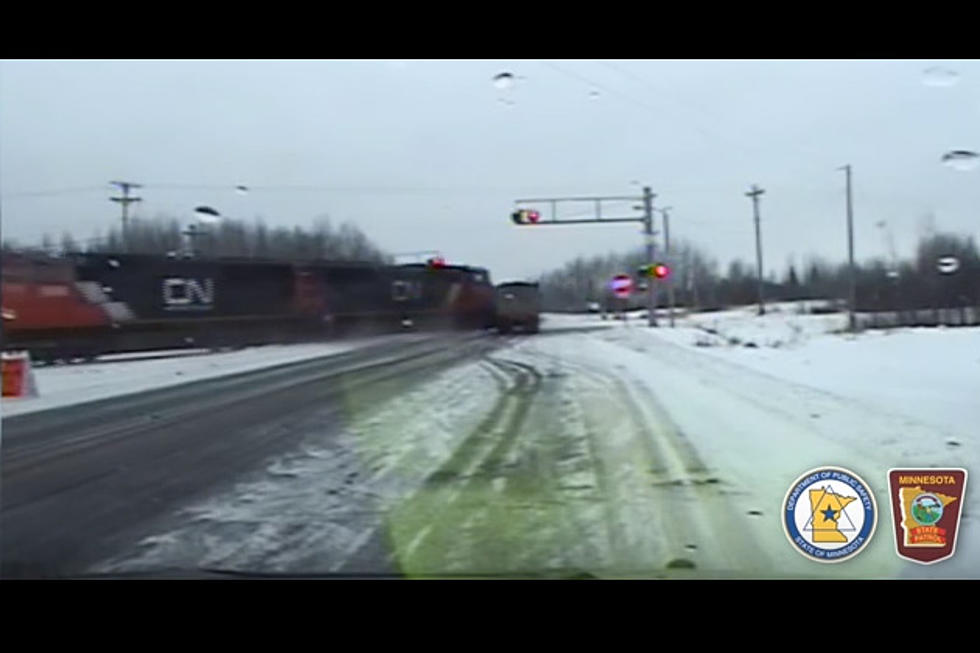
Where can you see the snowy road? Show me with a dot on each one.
(81, 481)
(597, 448)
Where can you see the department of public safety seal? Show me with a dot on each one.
(829, 514)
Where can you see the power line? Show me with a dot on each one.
(746, 145)
(595, 84)
(631, 75)
(394, 190)
(658, 111)
(53, 192)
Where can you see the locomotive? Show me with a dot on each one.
(86, 305)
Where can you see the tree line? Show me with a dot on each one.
(700, 284)
(227, 238)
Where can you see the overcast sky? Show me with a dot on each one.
(431, 155)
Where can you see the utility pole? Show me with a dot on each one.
(648, 234)
(125, 200)
(193, 232)
(852, 291)
(670, 279)
(754, 194)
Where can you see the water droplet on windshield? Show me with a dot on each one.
(593, 95)
(241, 190)
(681, 563)
(939, 76)
(503, 81)
(961, 160)
(507, 103)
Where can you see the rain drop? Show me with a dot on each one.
(939, 76)
(963, 160)
(207, 214)
(503, 81)
(241, 190)
(593, 95)
(681, 563)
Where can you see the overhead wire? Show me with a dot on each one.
(51, 192)
(740, 148)
(689, 106)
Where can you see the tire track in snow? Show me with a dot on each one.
(747, 426)
(658, 472)
(441, 528)
(308, 507)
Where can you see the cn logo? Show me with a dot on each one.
(403, 291)
(188, 294)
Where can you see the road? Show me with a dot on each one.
(585, 450)
(83, 481)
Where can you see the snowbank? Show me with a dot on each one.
(73, 384)
(929, 374)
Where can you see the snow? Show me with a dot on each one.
(604, 445)
(601, 450)
(928, 374)
(318, 506)
(807, 396)
(563, 321)
(117, 376)
(931, 375)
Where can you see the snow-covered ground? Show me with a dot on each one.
(765, 421)
(599, 445)
(113, 376)
(611, 449)
(928, 374)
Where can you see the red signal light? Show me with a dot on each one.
(661, 271)
(525, 216)
(437, 262)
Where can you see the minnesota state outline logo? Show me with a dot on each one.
(829, 514)
(926, 508)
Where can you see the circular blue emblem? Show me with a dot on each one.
(829, 514)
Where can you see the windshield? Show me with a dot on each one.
(488, 318)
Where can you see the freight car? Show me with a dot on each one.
(86, 305)
(518, 305)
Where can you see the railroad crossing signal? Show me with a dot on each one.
(657, 270)
(436, 263)
(525, 216)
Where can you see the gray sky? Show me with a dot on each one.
(427, 155)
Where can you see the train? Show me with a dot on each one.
(86, 305)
